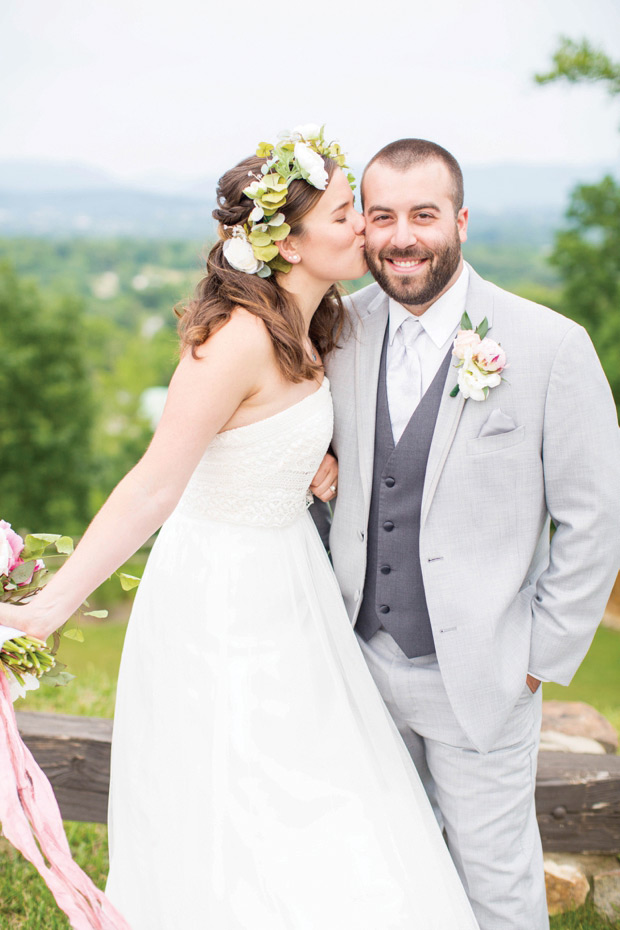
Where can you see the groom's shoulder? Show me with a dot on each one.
(364, 300)
(525, 315)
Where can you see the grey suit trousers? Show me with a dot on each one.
(485, 801)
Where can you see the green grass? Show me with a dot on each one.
(597, 682)
(586, 918)
(25, 903)
(95, 665)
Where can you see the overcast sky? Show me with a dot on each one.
(185, 88)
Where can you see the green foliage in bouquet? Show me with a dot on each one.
(26, 660)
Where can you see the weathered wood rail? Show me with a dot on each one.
(577, 796)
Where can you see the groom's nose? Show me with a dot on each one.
(404, 234)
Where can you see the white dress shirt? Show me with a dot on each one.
(437, 328)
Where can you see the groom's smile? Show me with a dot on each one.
(404, 264)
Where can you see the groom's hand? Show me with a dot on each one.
(533, 683)
(325, 481)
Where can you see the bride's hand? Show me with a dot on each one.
(29, 619)
(325, 481)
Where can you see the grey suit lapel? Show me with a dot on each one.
(479, 304)
(367, 361)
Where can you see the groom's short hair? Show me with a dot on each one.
(405, 153)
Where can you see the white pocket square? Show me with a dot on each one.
(496, 423)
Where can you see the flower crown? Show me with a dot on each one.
(252, 247)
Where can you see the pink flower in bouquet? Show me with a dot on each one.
(11, 547)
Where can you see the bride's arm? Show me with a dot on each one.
(204, 393)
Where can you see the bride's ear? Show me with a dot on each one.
(288, 250)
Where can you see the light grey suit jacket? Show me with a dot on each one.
(502, 602)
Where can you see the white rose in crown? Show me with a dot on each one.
(311, 166)
(239, 254)
(481, 361)
(309, 131)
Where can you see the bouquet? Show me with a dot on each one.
(29, 813)
(25, 660)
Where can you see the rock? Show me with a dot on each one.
(567, 887)
(607, 894)
(552, 741)
(611, 618)
(588, 863)
(574, 718)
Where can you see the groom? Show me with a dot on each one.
(440, 535)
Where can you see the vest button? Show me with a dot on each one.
(385, 569)
(389, 482)
(384, 609)
(388, 526)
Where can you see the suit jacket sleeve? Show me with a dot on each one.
(321, 513)
(581, 460)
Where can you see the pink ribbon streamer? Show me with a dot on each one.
(32, 822)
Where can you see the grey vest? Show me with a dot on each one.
(394, 595)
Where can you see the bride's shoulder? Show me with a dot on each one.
(242, 333)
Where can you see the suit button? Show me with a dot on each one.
(360, 533)
(384, 609)
(390, 482)
(385, 569)
(388, 526)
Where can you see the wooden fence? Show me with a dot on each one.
(577, 796)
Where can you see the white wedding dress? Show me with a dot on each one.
(258, 782)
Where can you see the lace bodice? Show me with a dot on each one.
(259, 474)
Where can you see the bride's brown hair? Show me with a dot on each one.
(223, 288)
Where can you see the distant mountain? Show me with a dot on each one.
(28, 176)
(113, 212)
(62, 199)
(494, 188)
(488, 188)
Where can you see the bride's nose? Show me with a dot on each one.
(359, 223)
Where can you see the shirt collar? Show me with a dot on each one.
(442, 317)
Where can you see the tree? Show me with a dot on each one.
(587, 252)
(46, 410)
(578, 62)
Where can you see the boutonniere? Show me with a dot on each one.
(481, 360)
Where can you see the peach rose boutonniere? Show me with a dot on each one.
(481, 360)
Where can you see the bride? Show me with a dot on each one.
(258, 782)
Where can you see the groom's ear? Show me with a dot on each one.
(462, 219)
(288, 250)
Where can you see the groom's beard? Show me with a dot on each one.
(422, 288)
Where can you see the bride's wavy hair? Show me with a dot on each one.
(223, 288)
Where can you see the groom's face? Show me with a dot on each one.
(413, 234)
